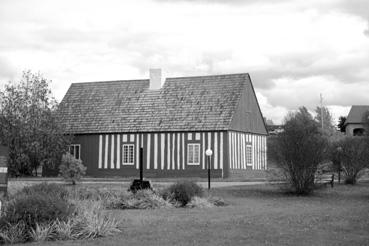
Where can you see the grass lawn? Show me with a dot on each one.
(257, 215)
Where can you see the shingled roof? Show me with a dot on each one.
(182, 104)
(356, 114)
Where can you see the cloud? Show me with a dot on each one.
(7, 71)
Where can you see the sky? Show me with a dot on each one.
(294, 50)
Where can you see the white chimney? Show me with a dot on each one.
(155, 78)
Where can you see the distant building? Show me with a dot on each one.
(355, 122)
(174, 124)
(274, 129)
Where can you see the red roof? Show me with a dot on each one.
(356, 114)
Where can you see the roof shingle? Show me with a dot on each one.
(183, 104)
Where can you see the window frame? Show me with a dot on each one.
(128, 155)
(193, 163)
(74, 150)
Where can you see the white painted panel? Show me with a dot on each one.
(138, 144)
(106, 151)
(131, 137)
(148, 151)
(112, 152)
(230, 142)
(203, 150)
(215, 150)
(236, 150)
(168, 151)
(124, 138)
(197, 136)
(162, 146)
(173, 148)
(155, 151)
(178, 151)
(243, 161)
(118, 152)
(266, 152)
(189, 136)
(100, 151)
(183, 152)
(221, 152)
(3, 170)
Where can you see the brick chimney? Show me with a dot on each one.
(155, 78)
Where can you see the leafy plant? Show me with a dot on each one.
(29, 125)
(42, 232)
(47, 189)
(71, 168)
(298, 150)
(13, 233)
(34, 209)
(352, 154)
(182, 192)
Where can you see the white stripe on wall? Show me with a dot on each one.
(178, 151)
(168, 151)
(138, 151)
(112, 152)
(106, 151)
(203, 150)
(148, 151)
(100, 151)
(183, 152)
(155, 151)
(118, 152)
(162, 145)
(173, 148)
(215, 150)
(221, 153)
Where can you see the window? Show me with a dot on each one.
(248, 154)
(128, 154)
(193, 154)
(75, 150)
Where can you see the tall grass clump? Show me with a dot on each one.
(182, 192)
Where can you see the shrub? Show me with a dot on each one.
(13, 233)
(45, 189)
(91, 221)
(182, 192)
(352, 153)
(298, 150)
(43, 232)
(34, 209)
(71, 168)
(199, 202)
(142, 199)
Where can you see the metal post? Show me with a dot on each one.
(141, 164)
(209, 165)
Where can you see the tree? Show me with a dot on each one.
(71, 168)
(327, 127)
(366, 123)
(298, 150)
(29, 125)
(352, 154)
(341, 123)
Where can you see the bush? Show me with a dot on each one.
(182, 192)
(142, 199)
(13, 233)
(298, 150)
(90, 221)
(45, 189)
(34, 209)
(352, 153)
(71, 169)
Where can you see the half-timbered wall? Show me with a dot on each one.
(163, 151)
(247, 151)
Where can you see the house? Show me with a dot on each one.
(355, 122)
(174, 123)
